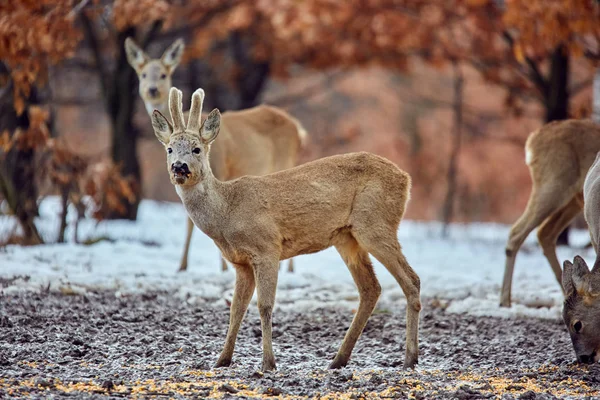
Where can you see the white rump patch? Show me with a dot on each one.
(528, 156)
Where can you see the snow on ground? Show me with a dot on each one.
(465, 270)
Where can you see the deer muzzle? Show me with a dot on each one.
(180, 169)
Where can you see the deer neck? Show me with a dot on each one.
(163, 107)
(205, 204)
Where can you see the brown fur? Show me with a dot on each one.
(354, 202)
(256, 141)
(559, 156)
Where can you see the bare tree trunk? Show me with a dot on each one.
(557, 102)
(120, 94)
(596, 97)
(252, 76)
(18, 183)
(64, 201)
(121, 99)
(452, 177)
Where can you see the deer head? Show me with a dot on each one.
(581, 309)
(187, 147)
(154, 74)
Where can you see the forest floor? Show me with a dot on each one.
(102, 345)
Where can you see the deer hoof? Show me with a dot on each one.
(268, 366)
(223, 362)
(338, 363)
(411, 361)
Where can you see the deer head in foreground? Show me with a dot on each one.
(354, 202)
(581, 309)
(154, 74)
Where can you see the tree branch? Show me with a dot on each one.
(152, 32)
(92, 38)
(182, 30)
(74, 101)
(534, 72)
(579, 86)
(78, 8)
(308, 91)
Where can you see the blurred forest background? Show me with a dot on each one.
(449, 90)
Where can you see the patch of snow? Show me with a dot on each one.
(464, 269)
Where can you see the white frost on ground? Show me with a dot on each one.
(464, 271)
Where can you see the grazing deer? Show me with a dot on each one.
(354, 202)
(558, 156)
(256, 141)
(581, 309)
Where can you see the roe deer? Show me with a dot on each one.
(256, 141)
(581, 309)
(558, 156)
(354, 202)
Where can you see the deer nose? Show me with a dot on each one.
(153, 91)
(587, 359)
(180, 168)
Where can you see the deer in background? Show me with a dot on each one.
(581, 309)
(558, 156)
(354, 202)
(256, 141)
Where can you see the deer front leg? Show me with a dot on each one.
(265, 275)
(186, 247)
(242, 294)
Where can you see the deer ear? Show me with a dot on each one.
(172, 56)
(162, 127)
(567, 278)
(574, 277)
(136, 57)
(211, 126)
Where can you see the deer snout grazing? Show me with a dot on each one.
(587, 359)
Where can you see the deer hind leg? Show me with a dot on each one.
(542, 203)
(265, 276)
(242, 294)
(369, 290)
(384, 246)
(552, 227)
(186, 248)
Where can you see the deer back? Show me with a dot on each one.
(256, 142)
(563, 150)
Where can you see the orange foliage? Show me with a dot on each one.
(109, 190)
(33, 35)
(33, 138)
(128, 13)
(544, 25)
(498, 38)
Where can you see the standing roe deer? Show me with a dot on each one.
(558, 156)
(256, 141)
(581, 309)
(354, 202)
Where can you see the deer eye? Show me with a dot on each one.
(163, 76)
(169, 150)
(578, 326)
(144, 76)
(196, 150)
